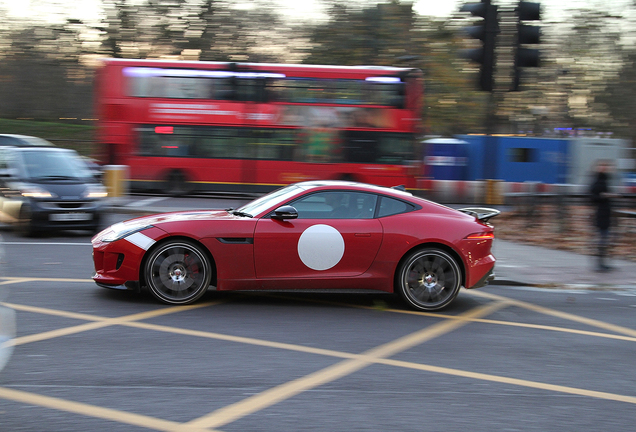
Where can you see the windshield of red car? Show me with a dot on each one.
(270, 200)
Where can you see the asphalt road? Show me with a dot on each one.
(498, 359)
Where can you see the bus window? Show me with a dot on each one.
(344, 92)
(394, 149)
(273, 144)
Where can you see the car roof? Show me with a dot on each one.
(39, 148)
(314, 184)
(365, 187)
(18, 140)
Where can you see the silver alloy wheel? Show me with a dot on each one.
(429, 279)
(178, 272)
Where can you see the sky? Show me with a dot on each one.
(88, 10)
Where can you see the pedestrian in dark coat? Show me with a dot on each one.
(602, 197)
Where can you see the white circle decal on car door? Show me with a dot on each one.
(321, 247)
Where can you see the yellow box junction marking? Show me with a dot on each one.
(95, 411)
(285, 391)
(352, 362)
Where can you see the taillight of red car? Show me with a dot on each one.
(481, 236)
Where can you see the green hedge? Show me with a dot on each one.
(75, 136)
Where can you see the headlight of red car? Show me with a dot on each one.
(121, 230)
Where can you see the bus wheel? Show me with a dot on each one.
(177, 184)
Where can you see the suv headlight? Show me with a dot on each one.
(33, 191)
(94, 191)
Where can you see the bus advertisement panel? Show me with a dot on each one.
(246, 127)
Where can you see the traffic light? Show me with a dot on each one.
(486, 31)
(526, 35)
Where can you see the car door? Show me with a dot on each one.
(335, 235)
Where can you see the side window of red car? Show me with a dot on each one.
(336, 205)
(390, 206)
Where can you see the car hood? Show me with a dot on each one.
(181, 216)
(174, 223)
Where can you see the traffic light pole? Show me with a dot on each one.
(491, 116)
(491, 29)
(486, 31)
(526, 35)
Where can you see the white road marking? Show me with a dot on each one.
(145, 202)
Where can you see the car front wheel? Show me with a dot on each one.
(429, 279)
(178, 272)
(24, 224)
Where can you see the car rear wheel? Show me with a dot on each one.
(178, 272)
(429, 279)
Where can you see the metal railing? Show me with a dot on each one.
(558, 206)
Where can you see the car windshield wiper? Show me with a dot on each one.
(239, 213)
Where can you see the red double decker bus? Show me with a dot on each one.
(245, 127)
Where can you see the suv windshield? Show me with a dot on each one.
(35, 141)
(53, 164)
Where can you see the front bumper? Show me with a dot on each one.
(117, 263)
(65, 215)
(128, 286)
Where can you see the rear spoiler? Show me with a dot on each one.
(483, 214)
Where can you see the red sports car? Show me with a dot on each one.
(311, 236)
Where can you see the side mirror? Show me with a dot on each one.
(285, 212)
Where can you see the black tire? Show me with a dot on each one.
(24, 224)
(96, 225)
(428, 279)
(178, 272)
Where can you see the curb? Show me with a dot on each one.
(509, 282)
(564, 286)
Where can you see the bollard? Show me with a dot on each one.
(560, 202)
(116, 180)
(493, 192)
